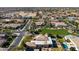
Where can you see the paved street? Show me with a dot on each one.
(17, 40)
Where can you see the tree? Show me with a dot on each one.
(5, 45)
(59, 36)
(36, 32)
(68, 40)
(72, 49)
(50, 35)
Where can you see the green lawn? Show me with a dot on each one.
(54, 32)
(27, 39)
(61, 40)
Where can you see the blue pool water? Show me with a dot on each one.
(54, 45)
(65, 46)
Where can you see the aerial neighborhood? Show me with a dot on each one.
(39, 29)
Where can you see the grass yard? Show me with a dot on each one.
(54, 32)
(61, 40)
(27, 39)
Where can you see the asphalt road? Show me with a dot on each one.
(17, 40)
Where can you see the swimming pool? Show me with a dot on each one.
(54, 45)
(64, 45)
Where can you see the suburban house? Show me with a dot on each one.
(57, 23)
(39, 23)
(40, 41)
(2, 38)
(73, 41)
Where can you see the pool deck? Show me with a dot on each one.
(73, 41)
